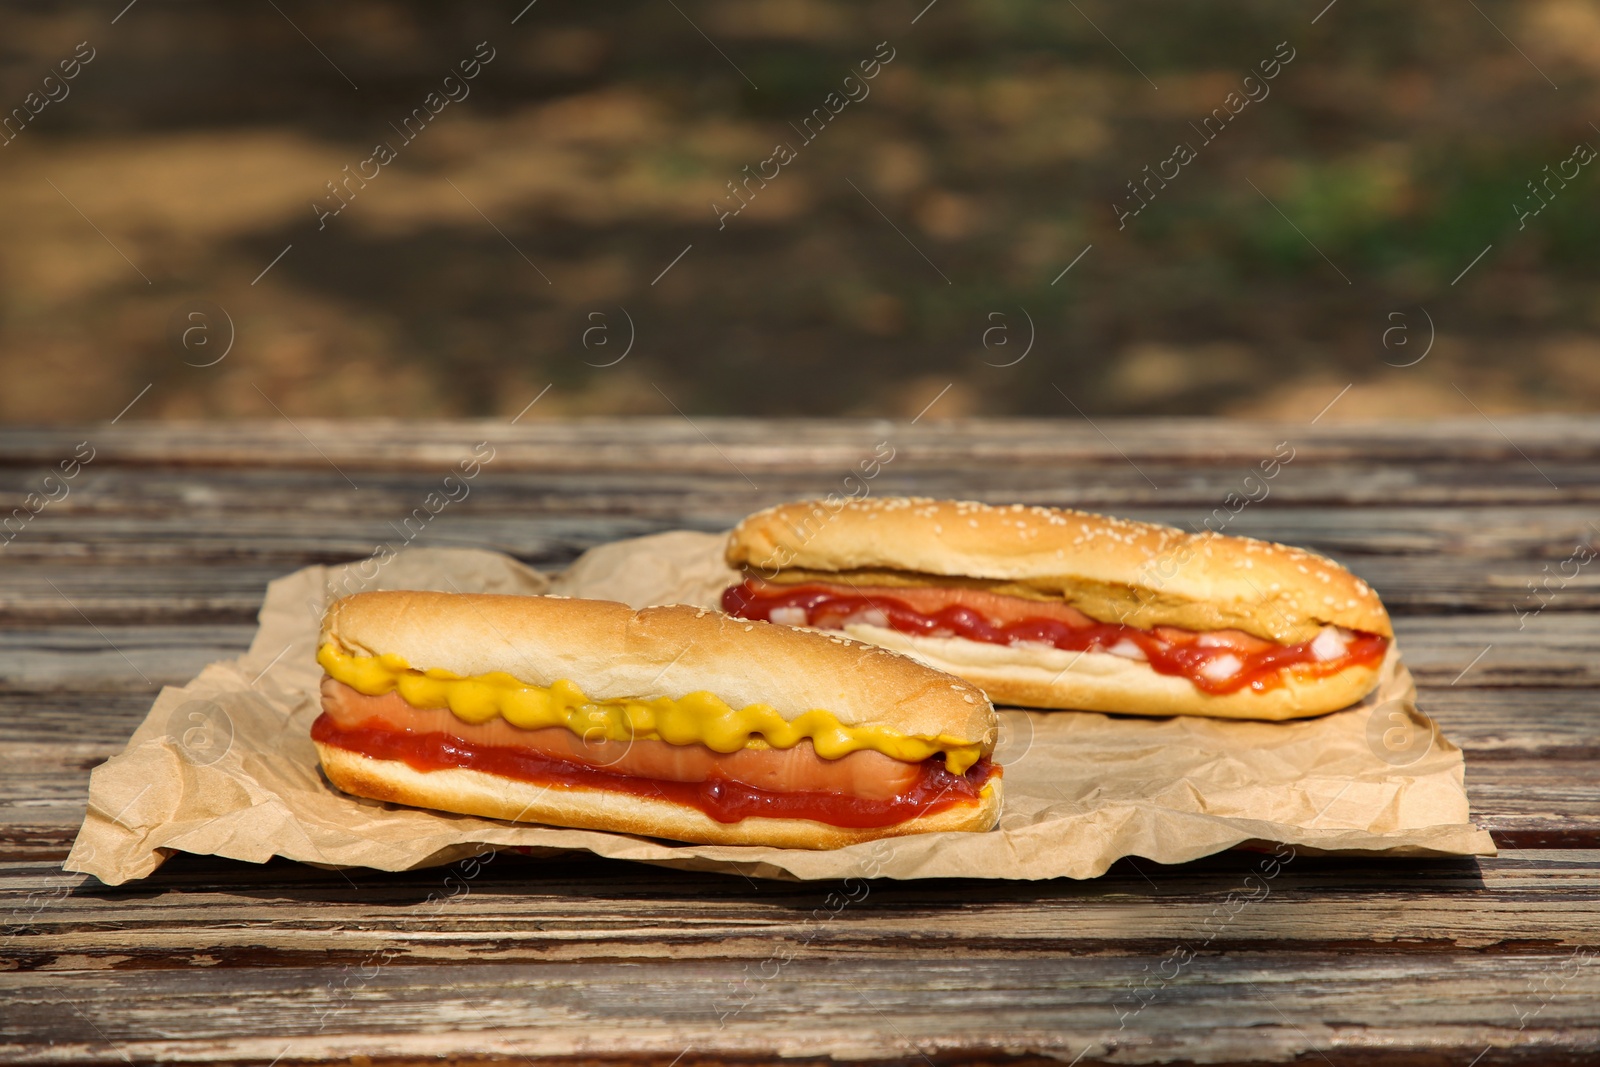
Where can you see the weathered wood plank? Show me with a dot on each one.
(1535, 803)
(508, 908)
(698, 497)
(249, 530)
(141, 658)
(44, 793)
(1555, 649)
(1232, 1007)
(104, 717)
(1523, 723)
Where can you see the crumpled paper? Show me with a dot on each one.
(225, 766)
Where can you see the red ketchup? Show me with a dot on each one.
(1168, 650)
(723, 800)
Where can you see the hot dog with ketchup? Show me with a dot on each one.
(673, 722)
(1052, 608)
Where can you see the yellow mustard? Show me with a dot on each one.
(698, 718)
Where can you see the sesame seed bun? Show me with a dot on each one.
(1113, 570)
(1098, 681)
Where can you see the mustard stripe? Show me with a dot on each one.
(698, 718)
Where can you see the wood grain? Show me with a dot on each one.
(515, 909)
(1233, 1007)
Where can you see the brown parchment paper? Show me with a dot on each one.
(225, 766)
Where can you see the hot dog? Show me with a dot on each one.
(672, 722)
(1051, 608)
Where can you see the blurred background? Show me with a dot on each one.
(1403, 208)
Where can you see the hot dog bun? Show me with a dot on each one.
(471, 792)
(614, 653)
(1113, 570)
(1050, 678)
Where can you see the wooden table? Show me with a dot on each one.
(154, 561)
